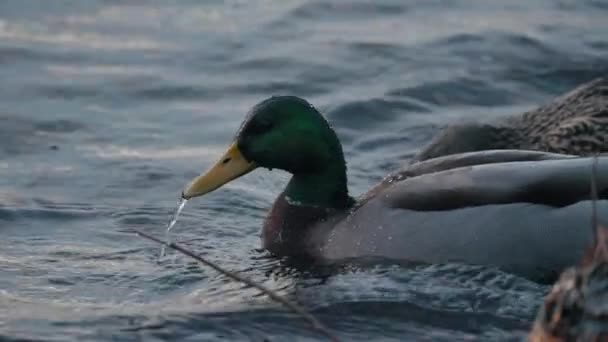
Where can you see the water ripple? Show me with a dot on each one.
(109, 108)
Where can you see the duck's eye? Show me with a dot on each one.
(260, 126)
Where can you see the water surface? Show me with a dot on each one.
(108, 108)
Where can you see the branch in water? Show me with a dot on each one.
(315, 323)
(599, 251)
(594, 197)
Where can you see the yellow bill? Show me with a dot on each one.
(232, 165)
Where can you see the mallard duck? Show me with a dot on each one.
(521, 211)
(575, 123)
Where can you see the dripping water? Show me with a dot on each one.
(178, 211)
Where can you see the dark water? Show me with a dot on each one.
(108, 108)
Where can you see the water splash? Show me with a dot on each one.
(172, 223)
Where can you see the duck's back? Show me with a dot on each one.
(575, 123)
(587, 100)
(531, 218)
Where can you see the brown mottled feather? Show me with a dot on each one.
(575, 123)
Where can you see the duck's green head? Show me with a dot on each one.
(282, 132)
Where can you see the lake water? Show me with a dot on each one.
(108, 108)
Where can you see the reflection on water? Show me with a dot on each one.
(107, 109)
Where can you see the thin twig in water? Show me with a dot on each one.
(600, 234)
(315, 323)
(594, 196)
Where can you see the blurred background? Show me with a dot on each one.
(108, 108)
